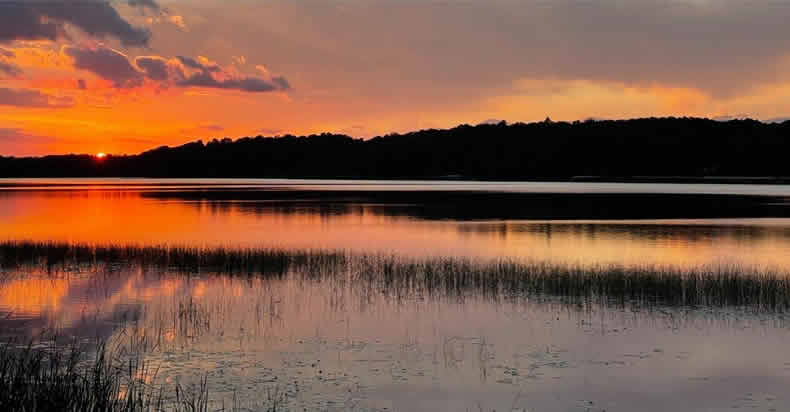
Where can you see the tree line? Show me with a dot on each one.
(595, 149)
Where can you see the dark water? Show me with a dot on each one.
(323, 343)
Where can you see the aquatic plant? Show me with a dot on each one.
(449, 277)
(57, 378)
(52, 377)
(39, 378)
(175, 258)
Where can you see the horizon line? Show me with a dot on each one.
(490, 122)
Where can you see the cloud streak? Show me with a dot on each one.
(210, 75)
(19, 136)
(106, 63)
(32, 99)
(245, 84)
(181, 71)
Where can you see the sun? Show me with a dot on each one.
(101, 155)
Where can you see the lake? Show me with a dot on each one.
(330, 336)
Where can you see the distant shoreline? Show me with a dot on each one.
(758, 180)
(684, 179)
(650, 150)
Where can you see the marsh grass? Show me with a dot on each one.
(174, 258)
(67, 379)
(404, 278)
(609, 285)
(72, 379)
(55, 377)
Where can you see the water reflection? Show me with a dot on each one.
(422, 224)
(327, 344)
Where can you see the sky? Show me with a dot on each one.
(89, 76)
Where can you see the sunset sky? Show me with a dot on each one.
(89, 76)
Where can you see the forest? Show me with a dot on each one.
(637, 149)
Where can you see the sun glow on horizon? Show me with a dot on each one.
(101, 155)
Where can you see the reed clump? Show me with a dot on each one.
(175, 258)
(712, 286)
(454, 277)
(62, 379)
(76, 379)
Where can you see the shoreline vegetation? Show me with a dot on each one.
(47, 376)
(756, 289)
(113, 376)
(669, 150)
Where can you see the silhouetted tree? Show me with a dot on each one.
(650, 147)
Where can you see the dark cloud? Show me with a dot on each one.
(194, 64)
(21, 20)
(107, 64)
(31, 98)
(150, 4)
(281, 82)
(112, 65)
(246, 84)
(154, 67)
(190, 62)
(9, 69)
(205, 77)
(46, 20)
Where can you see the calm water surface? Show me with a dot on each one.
(331, 345)
(361, 217)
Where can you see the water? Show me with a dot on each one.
(484, 220)
(323, 342)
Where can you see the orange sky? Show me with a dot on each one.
(372, 67)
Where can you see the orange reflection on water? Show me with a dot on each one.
(32, 296)
(242, 326)
(119, 216)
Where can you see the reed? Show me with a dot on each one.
(711, 286)
(453, 277)
(103, 380)
(48, 379)
(73, 379)
(186, 259)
